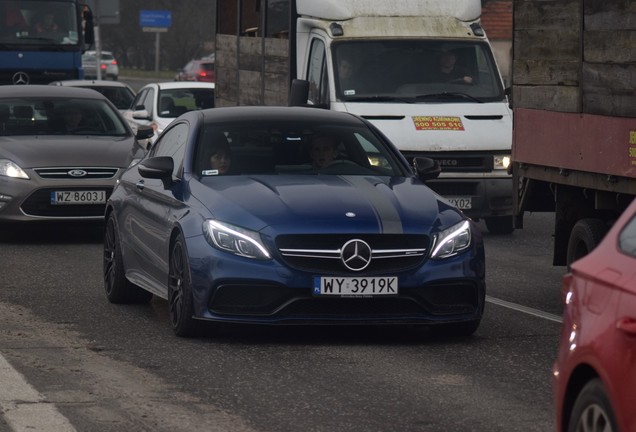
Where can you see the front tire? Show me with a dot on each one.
(118, 288)
(592, 411)
(180, 300)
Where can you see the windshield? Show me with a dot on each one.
(308, 149)
(416, 71)
(174, 102)
(47, 116)
(36, 22)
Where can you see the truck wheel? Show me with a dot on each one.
(500, 224)
(585, 236)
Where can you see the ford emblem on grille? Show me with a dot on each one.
(77, 173)
(356, 255)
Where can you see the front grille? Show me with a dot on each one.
(391, 253)
(39, 204)
(457, 162)
(81, 173)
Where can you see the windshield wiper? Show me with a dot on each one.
(449, 95)
(378, 98)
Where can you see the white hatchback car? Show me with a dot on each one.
(158, 104)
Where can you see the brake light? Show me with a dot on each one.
(103, 66)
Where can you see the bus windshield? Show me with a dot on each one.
(37, 23)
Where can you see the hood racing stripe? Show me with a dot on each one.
(385, 211)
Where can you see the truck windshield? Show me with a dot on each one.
(416, 70)
(36, 23)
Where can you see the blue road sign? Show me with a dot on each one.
(155, 18)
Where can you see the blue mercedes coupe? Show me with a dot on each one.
(281, 215)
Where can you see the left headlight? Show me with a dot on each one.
(452, 241)
(236, 240)
(10, 169)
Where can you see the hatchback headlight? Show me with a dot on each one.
(452, 241)
(236, 240)
(501, 162)
(10, 169)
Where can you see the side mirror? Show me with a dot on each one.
(298, 93)
(508, 93)
(426, 168)
(89, 32)
(159, 167)
(141, 115)
(144, 132)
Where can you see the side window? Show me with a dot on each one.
(173, 144)
(317, 74)
(148, 101)
(139, 99)
(627, 238)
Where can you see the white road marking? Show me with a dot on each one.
(524, 309)
(23, 408)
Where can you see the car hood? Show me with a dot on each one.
(45, 151)
(315, 203)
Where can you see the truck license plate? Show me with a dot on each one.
(462, 203)
(78, 197)
(355, 286)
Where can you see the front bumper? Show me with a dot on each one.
(234, 289)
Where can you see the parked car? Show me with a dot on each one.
(197, 70)
(362, 240)
(108, 65)
(158, 104)
(120, 94)
(61, 151)
(595, 371)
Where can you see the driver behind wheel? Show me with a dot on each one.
(323, 151)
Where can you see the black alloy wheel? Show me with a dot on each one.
(118, 288)
(180, 300)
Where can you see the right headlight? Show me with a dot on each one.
(451, 241)
(236, 240)
(10, 169)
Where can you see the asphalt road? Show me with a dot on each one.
(93, 366)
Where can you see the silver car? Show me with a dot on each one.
(61, 151)
(108, 65)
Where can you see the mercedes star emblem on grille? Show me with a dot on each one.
(20, 78)
(356, 255)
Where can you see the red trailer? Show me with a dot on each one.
(574, 104)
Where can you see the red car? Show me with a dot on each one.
(197, 70)
(594, 376)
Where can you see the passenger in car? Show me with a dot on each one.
(220, 157)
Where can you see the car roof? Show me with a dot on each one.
(168, 85)
(87, 83)
(43, 91)
(249, 114)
